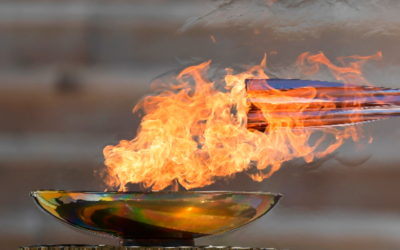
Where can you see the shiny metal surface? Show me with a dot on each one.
(351, 103)
(156, 216)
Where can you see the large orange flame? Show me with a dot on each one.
(193, 134)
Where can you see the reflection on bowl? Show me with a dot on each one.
(155, 217)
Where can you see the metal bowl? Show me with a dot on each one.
(155, 218)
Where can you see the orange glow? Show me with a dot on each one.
(349, 73)
(194, 134)
(213, 39)
(270, 2)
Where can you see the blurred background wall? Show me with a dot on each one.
(71, 72)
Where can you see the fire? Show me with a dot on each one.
(213, 39)
(193, 134)
(349, 72)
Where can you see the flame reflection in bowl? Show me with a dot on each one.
(155, 215)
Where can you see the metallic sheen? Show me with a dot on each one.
(156, 216)
(348, 103)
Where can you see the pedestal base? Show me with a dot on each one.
(157, 242)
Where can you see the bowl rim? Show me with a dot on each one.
(33, 193)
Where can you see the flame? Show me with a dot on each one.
(349, 73)
(194, 134)
(213, 39)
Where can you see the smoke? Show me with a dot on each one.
(245, 29)
(299, 18)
